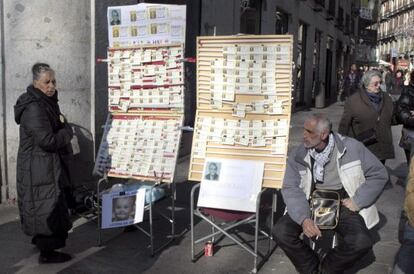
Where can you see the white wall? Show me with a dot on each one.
(58, 33)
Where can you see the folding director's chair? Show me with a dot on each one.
(225, 223)
(151, 209)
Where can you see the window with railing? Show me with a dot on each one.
(347, 24)
(331, 8)
(394, 6)
(340, 18)
(352, 31)
(282, 22)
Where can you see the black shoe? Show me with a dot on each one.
(53, 257)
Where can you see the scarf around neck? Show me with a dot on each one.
(375, 99)
(50, 101)
(50, 104)
(321, 159)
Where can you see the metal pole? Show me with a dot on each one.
(4, 184)
(192, 218)
(173, 189)
(150, 220)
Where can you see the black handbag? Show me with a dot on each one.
(325, 205)
(367, 137)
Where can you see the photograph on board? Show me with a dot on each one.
(212, 171)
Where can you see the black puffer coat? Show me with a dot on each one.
(44, 138)
(405, 105)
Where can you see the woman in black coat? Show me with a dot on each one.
(41, 175)
(368, 115)
(405, 112)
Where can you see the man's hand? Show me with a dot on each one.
(350, 204)
(310, 229)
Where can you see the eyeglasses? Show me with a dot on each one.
(377, 83)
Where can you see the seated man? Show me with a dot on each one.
(338, 163)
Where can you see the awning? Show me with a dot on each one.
(384, 63)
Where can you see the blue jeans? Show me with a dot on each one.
(405, 262)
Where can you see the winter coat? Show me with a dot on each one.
(405, 105)
(362, 176)
(360, 115)
(44, 138)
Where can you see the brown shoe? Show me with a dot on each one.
(53, 257)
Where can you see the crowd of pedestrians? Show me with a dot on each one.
(374, 100)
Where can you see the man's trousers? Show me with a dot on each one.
(354, 241)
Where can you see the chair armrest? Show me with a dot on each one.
(193, 190)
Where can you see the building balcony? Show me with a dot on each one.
(391, 13)
(331, 8)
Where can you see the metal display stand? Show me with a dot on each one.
(244, 89)
(143, 130)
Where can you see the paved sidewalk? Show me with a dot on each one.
(127, 252)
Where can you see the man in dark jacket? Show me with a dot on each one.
(351, 82)
(44, 137)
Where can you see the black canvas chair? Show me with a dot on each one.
(225, 223)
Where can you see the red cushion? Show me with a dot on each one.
(225, 214)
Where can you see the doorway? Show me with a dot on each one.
(300, 66)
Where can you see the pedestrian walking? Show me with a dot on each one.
(397, 85)
(351, 82)
(368, 115)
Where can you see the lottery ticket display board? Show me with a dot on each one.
(143, 24)
(146, 101)
(140, 146)
(147, 78)
(244, 86)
